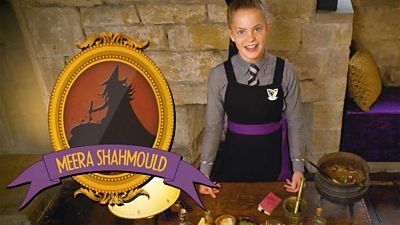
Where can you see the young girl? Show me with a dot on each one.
(254, 89)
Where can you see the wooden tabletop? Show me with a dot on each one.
(241, 200)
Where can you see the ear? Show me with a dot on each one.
(231, 35)
(267, 26)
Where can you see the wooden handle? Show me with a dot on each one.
(296, 207)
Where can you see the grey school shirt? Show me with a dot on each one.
(214, 125)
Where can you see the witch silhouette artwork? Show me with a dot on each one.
(120, 124)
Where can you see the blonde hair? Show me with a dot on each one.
(236, 5)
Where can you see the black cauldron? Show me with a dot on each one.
(342, 193)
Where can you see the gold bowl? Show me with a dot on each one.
(225, 220)
(289, 205)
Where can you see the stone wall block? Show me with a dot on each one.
(198, 37)
(217, 13)
(38, 137)
(385, 53)
(368, 16)
(182, 138)
(270, 9)
(155, 34)
(187, 66)
(310, 91)
(127, 2)
(184, 152)
(334, 89)
(73, 3)
(309, 64)
(172, 13)
(390, 15)
(191, 154)
(395, 75)
(189, 123)
(289, 55)
(308, 109)
(375, 3)
(290, 9)
(5, 134)
(327, 115)
(285, 35)
(331, 17)
(51, 67)
(337, 62)
(14, 105)
(25, 98)
(109, 15)
(326, 35)
(29, 3)
(54, 30)
(123, 2)
(189, 92)
(196, 148)
(25, 127)
(377, 32)
(326, 140)
(391, 76)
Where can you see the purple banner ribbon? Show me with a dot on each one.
(124, 158)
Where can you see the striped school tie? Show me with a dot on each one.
(253, 81)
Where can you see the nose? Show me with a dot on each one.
(251, 36)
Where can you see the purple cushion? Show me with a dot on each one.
(388, 103)
(374, 135)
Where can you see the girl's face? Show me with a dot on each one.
(249, 29)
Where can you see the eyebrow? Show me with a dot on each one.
(241, 28)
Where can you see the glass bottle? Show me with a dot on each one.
(208, 218)
(183, 217)
(318, 219)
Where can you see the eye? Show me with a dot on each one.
(258, 29)
(240, 32)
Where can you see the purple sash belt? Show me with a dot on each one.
(263, 129)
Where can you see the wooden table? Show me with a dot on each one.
(241, 200)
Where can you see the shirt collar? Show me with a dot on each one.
(241, 66)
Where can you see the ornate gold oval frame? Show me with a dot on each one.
(120, 48)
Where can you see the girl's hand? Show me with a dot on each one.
(205, 190)
(294, 184)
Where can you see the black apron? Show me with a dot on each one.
(253, 149)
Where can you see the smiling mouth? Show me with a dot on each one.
(251, 47)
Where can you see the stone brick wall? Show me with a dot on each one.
(377, 28)
(189, 37)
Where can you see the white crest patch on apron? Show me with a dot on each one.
(272, 94)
